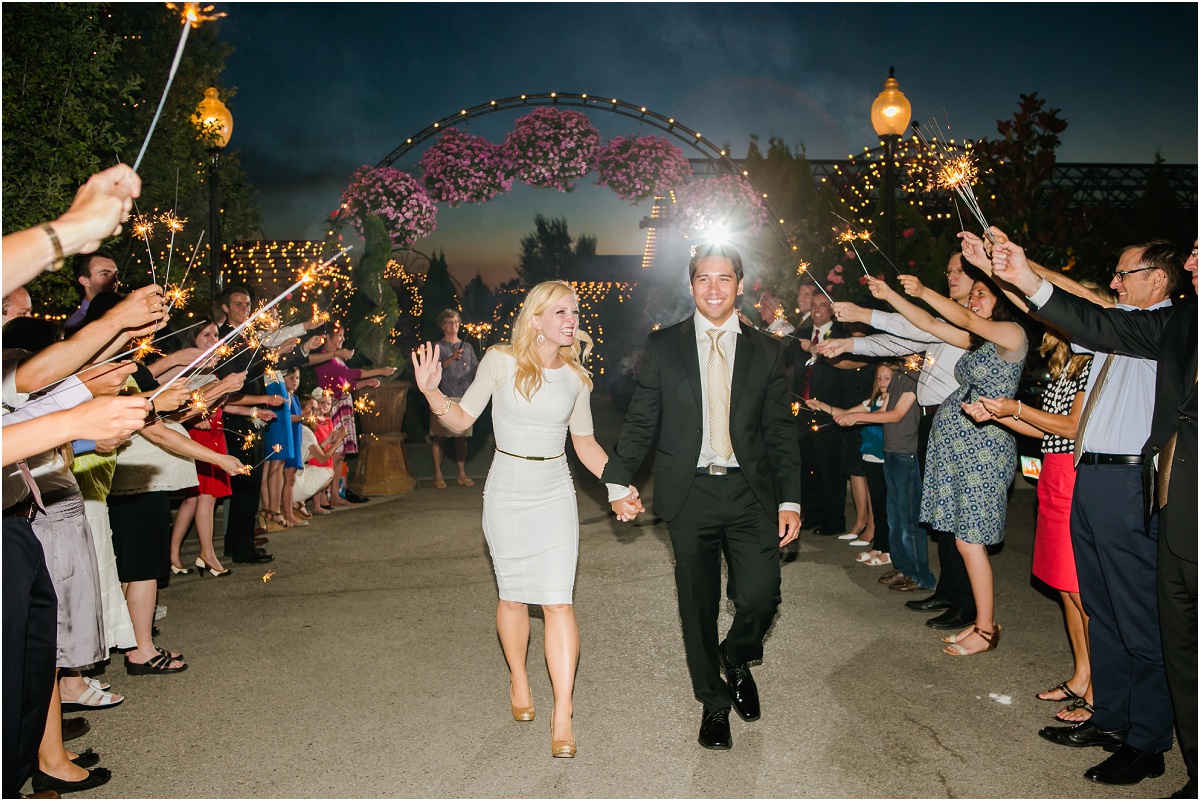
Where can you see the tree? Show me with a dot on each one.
(374, 306)
(438, 295)
(81, 83)
(477, 301)
(547, 252)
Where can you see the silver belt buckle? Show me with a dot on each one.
(716, 470)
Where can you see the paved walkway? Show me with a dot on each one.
(368, 666)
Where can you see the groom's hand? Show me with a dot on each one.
(629, 507)
(789, 527)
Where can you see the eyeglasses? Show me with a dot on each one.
(949, 273)
(1120, 274)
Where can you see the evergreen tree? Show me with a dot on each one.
(438, 295)
(478, 302)
(547, 252)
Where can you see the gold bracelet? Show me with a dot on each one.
(59, 258)
(442, 411)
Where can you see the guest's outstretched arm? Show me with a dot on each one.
(943, 330)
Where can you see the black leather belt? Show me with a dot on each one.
(931, 409)
(1109, 458)
(26, 509)
(532, 458)
(716, 470)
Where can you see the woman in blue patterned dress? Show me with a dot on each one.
(970, 466)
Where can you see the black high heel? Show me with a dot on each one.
(203, 568)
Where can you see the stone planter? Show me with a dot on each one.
(382, 466)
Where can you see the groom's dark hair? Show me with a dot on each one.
(720, 251)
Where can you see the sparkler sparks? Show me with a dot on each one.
(270, 574)
(364, 405)
(193, 14)
(142, 226)
(200, 405)
(173, 223)
(247, 470)
(145, 347)
(802, 268)
(952, 169)
(176, 296)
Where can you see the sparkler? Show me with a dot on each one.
(143, 226)
(192, 16)
(270, 574)
(200, 404)
(174, 225)
(245, 471)
(306, 277)
(802, 269)
(956, 171)
(848, 237)
(364, 405)
(145, 347)
(375, 320)
(866, 237)
(183, 295)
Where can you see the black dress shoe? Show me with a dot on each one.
(829, 531)
(95, 778)
(930, 604)
(259, 557)
(1083, 735)
(714, 730)
(741, 687)
(354, 497)
(1128, 765)
(74, 727)
(88, 759)
(951, 619)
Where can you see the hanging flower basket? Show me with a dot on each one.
(401, 202)
(640, 167)
(728, 201)
(551, 147)
(463, 168)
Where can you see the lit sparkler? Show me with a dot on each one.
(176, 295)
(245, 470)
(953, 170)
(270, 574)
(185, 297)
(174, 225)
(145, 347)
(364, 405)
(200, 404)
(192, 15)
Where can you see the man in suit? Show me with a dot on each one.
(726, 479)
(1167, 482)
(813, 377)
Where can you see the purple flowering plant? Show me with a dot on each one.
(729, 200)
(396, 197)
(640, 167)
(462, 168)
(551, 147)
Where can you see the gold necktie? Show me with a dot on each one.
(1165, 456)
(717, 375)
(1090, 406)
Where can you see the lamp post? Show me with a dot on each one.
(216, 126)
(890, 114)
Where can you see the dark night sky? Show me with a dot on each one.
(323, 88)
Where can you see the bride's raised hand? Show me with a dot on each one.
(427, 367)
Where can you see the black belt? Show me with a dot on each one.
(1109, 458)
(716, 470)
(26, 509)
(931, 409)
(532, 458)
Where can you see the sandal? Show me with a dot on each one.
(992, 638)
(1065, 689)
(169, 654)
(465, 482)
(96, 684)
(157, 665)
(91, 698)
(877, 561)
(300, 510)
(1078, 703)
(439, 483)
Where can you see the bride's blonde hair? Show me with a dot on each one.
(523, 346)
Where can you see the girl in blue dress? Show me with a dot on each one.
(970, 465)
(283, 458)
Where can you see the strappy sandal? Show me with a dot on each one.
(992, 638)
(1063, 688)
(158, 665)
(91, 698)
(1078, 703)
(169, 654)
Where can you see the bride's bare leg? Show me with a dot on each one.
(562, 658)
(512, 624)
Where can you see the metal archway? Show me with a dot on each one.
(668, 125)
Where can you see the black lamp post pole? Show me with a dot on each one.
(889, 198)
(214, 223)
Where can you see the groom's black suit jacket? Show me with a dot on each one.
(669, 401)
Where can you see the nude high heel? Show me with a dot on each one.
(521, 714)
(561, 749)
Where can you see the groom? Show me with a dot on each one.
(727, 479)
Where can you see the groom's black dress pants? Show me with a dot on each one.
(722, 516)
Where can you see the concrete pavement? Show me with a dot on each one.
(368, 666)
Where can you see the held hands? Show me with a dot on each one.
(629, 507)
(1000, 407)
(977, 412)
(427, 368)
(789, 527)
(912, 286)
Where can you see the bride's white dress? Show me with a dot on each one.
(530, 518)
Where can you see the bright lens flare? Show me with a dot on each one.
(716, 235)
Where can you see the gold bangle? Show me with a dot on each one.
(59, 258)
(442, 411)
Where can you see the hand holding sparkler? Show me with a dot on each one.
(1010, 265)
(973, 251)
(230, 464)
(99, 208)
(832, 348)
(104, 379)
(912, 286)
(247, 470)
(848, 312)
(880, 290)
(170, 396)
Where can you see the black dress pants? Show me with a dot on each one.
(722, 516)
(243, 503)
(822, 482)
(30, 641)
(953, 584)
(1177, 618)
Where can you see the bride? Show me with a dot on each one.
(540, 391)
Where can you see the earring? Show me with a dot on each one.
(541, 340)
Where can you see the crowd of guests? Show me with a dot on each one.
(140, 421)
(917, 412)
